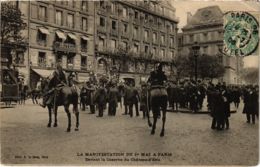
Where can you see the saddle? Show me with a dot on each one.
(158, 91)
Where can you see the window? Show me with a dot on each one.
(70, 61)
(101, 43)
(71, 3)
(125, 28)
(42, 13)
(84, 24)
(136, 48)
(191, 38)
(102, 4)
(162, 39)
(124, 45)
(154, 51)
(84, 5)
(84, 44)
(41, 38)
(136, 15)
(113, 44)
(113, 7)
(146, 34)
(113, 25)
(83, 61)
(124, 12)
(205, 36)
(154, 37)
(171, 41)
(205, 49)
(58, 18)
(171, 54)
(145, 18)
(42, 59)
(146, 49)
(70, 20)
(162, 10)
(162, 53)
(135, 32)
(19, 59)
(102, 21)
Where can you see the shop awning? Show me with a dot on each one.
(61, 35)
(43, 73)
(85, 38)
(44, 31)
(72, 36)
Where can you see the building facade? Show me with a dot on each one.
(132, 36)
(57, 32)
(122, 39)
(206, 28)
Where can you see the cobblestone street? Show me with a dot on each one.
(25, 139)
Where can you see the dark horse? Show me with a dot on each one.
(63, 96)
(157, 97)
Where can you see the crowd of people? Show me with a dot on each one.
(181, 95)
(187, 94)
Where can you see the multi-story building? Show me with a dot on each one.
(57, 31)
(206, 28)
(131, 36)
(122, 39)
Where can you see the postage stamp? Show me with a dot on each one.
(241, 34)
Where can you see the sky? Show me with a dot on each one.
(184, 6)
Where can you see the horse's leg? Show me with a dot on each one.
(36, 99)
(76, 110)
(164, 108)
(163, 122)
(49, 110)
(155, 110)
(66, 107)
(55, 116)
(148, 117)
(33, 98)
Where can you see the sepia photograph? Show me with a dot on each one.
(129, 82)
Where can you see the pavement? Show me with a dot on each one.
(122, 140)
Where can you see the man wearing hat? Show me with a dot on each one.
(157, 77)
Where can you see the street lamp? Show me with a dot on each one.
(196, 49)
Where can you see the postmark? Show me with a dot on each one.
(241, 35)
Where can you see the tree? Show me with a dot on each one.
(11, 27)
(210, 66)
(250, 75)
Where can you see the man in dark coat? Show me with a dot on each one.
(157, 77)
(144, 102)
(58, 79)
(100, 99)
(131, 97)
(112, 98)
(90, 92)
(226, 105)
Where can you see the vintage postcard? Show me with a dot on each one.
(129, 83)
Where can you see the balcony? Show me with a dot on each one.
(64, 47)
(84, 49)
(101, 29)
(42, 42)
(84, 67)
(125, 35)
(114, 33)
(42, 64)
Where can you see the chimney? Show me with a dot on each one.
(189, 16)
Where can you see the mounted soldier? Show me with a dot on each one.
(158, 96)
(58, 80)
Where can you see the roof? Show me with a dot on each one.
(210, 15)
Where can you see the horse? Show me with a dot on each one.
(63, 96)
(157, 101)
